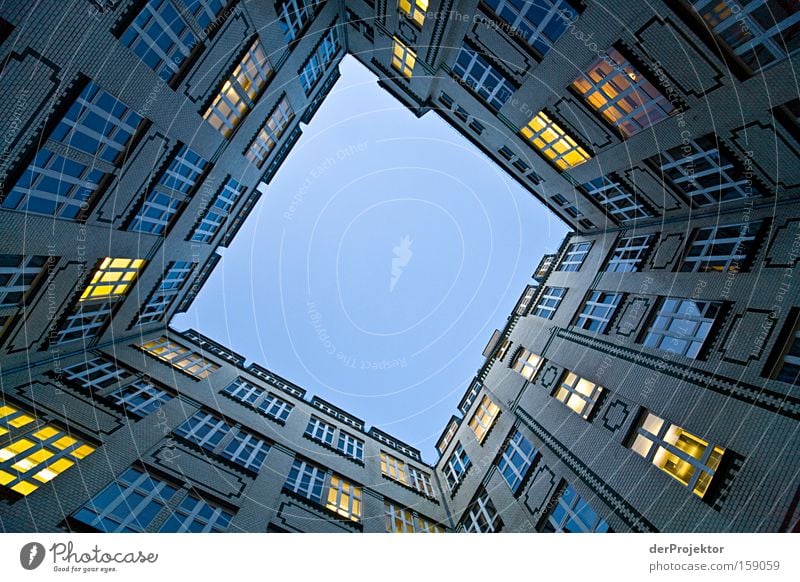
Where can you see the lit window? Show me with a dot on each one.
(165, 292)
(36, 452)
(240, 91)
(553, 142)
(549, 302)
(316, 64)
(112, 278)
(179, 357)
(96, 374)
(414, 10)
(84, 322)
(350, 446)
(215, 435)
(269, 135)
(160, 37)
(403, 58)
(256, 397)
(721, 248)
(574, 257)
(18, 274)
(629, 253)
(687, 458)
(526, 364)
(218, 212)
(306, 480)
(456, 467)
(540, 23)
(482, 516)
(759, 32)
(598, 310)
(344, 498)
(321, 431)
(394, 468)
(483, 78)
(484, 418)
(293, 15)
(681, 326)
(622, 95)
(516, 459)
(705, 173)
(578, 394)
(617, 201)
(571, 514)
(141, 398)
(398, 519)
(428, 526)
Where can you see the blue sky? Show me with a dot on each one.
(377, 265)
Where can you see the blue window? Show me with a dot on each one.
(483, 78)
(306, 480)
(204, 429)
(84, 322)
(571, 514)
(618, 202)
(218, 212)
(166, 292)
(574, 257)
(206, 11)
(293, 15)
(598, 311)
(682, 326)
(256, 397)
(549, 301)
(215, 435)
(516, 459)
(541, 22)
(195, 515)
(141, 398)
(456, 467)
(18, 273)
(315, 66)
(321, 431)
(246, 450)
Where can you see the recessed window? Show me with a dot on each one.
(35, 452)
(622, 95)
(414, 10)
(165, 292)
(206, 12)
(403, 58)
(269, 135)
(527, 364)
(262, 400)
(214, 434)
(315, 66)
(218, 211)
(578, 394)
(684, 456)
(96, 374)
(421, 481)
(112, 278)
(484, 417)
(306, 479)
(293, 15)
(721, 248)
(394, 468)
(540, 23)
(681, 326)
(398, 519)
(18, 273)
(456, 467)
(179, 357)
(240, 91)
(516, 459)
(350, 446)
(550, 140)
(617, 200)
(571, 514)
(321, 431)
(482, 516)
(574, 257)
(788, 369)
(598, 310)
(84, 322)
(140, 398)
(549, 301)
(344, 498)
(629, 253)
(483, 77)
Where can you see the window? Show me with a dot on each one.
(274, 407)
(206, 12)
(615, 199)
(428, 526)
(84, 322)
(204, 429)
(165, 292)
(293, 15)
(549, 302)
(160, 37)
(482, 516)
(571, 514)
(527, 364)
(483, 78)
(540, 23)
(621, 94)
(574, 257)
(269, 135)
(403, 58)
(315, 66)
(179, 357)
(759, 32)
(344, 498)
(676, 451)
(484, 418)
(112, 278)
(516, 459)
(218, 212)
(598, 310)
(681, 326)
(578, 394)
(351, 446)
(721, 248)
(414, 10)
(553, 143)
(140, 398)
(629, 253)
(788, 368)
(18, 273)
(456, 467)
(706, 174)
(212, 433)
(36, 452)
(398, 519)
(96, 374)
(246, 450)
(157, 212)
(240, 91)
(421, 481)
(306, 480)
(394, 468)
(194, 515)
(321, 431)
(256, 397)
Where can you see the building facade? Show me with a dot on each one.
(646, 381)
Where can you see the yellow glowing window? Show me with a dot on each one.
(112, 278)
(427, 526)
(394, 468)
(180, 357)
(403, 58)
(414, 10)
(553, 142)
(684, 456)
(526, 364)
(484, 418)
(398, 519)
(37, 453)
(344, 498)
(578, 394)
